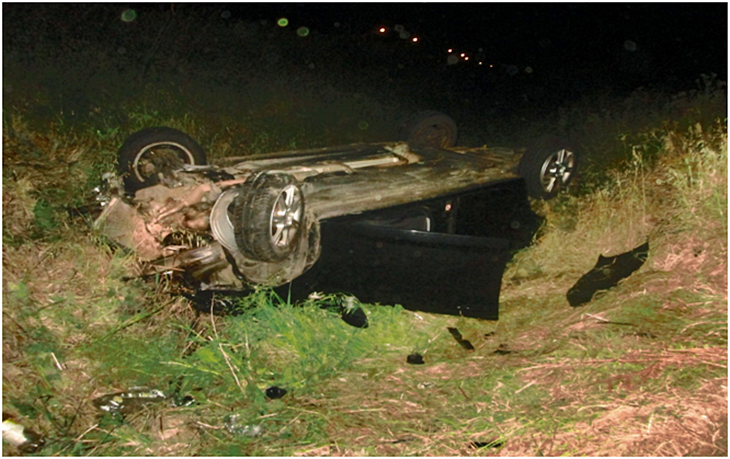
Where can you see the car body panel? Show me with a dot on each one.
(443, 255)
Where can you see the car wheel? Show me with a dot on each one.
(431, 129)
(153, 151)
(548, 167)
(268, 217)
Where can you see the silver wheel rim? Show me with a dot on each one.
(557, 170)
(286, 217)
(145, 159)
(220, 221)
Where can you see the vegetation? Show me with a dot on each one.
(639, 371)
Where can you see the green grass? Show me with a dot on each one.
(652, 381)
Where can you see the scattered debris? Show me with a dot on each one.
(26, 440)
(502, 350)
(496, 443)
(489, 335)
(415, 359)
(233, 425)
(466, 344)
(137, 398)
(606, 274)
(275, 392)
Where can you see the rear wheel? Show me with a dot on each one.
(431, 129)
(548, 167)
(268, 217)
(156, 151)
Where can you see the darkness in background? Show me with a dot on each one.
(569, 47)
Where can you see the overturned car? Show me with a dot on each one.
(419, 222)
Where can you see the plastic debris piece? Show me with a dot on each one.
(355, 317)
(275, 392)
(186, 400)
(234, 426)
(26, 440)
(606, 274)
(415, 359)
(466, 344)
(126, 402)
(502, 350)
(496, 443)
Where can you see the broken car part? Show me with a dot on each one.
(26, 440)
(606, 274)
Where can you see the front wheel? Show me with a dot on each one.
(153, 152)
(268, 217)
(548, 167)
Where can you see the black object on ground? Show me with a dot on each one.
(466, 344)
(355, 317)
(415, 359)
(497, 443)
(606, 274)
(502, 350)
(275, 392)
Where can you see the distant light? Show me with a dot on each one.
(450, 51)
(491, 66)
(129, 15)
(481, 63)
(381, 30)
(283, 22)
(462, 54)
(303, 31)
(466, 58)
(415, 39)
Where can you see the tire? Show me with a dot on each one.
(430, 129)
(153, 151)
(548, 167)
(268, 216)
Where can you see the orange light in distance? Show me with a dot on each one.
(381, 30)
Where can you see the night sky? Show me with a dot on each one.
(501, 56)
(657, 41)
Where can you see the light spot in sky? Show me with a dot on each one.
(129, 15)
